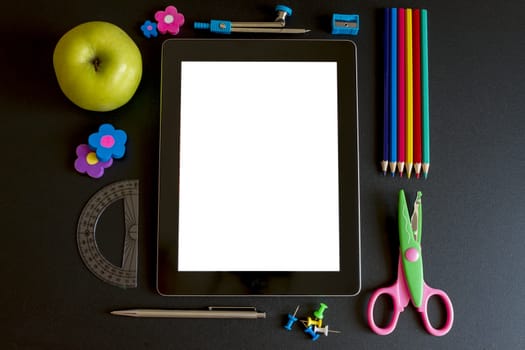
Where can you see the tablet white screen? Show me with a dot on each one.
(259, 187)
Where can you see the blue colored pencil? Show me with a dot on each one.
(393, 91)
(386, 93)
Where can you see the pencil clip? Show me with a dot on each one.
(232, 308)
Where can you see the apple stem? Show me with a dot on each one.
(96, 63)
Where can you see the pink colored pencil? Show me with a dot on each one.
(401, 142)
(416, 24)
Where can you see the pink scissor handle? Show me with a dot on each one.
(429, 292)
(392, 292)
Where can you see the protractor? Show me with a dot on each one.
(124, 276)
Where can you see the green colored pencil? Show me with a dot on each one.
(425, 94)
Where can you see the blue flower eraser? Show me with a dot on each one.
(108, 142)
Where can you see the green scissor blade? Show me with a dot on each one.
(410, 247)
(417, 218)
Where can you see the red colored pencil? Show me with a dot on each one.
(401, 142)
(416, 52)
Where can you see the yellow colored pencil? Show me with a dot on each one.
(409, 158)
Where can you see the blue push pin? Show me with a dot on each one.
(291, 320)
(310, 331)
(282, 12)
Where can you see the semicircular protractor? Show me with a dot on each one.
(124, 276)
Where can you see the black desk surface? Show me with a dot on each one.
(473, 200)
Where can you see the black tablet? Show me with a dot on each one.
(258, 168)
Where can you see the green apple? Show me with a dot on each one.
(98, 66)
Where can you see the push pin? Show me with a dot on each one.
(282, 12)
(345, 24)
(319, 312)
(324, 330)
(310, 331)
(291, 320)
(310, 322)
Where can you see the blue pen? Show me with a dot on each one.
(393, 90)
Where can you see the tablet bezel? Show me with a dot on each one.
(347, 281)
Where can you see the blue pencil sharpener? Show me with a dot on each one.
(345, 24)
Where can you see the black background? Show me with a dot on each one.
(473, 200)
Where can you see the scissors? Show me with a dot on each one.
(410, 285)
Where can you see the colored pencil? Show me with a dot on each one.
(386, 93)
(401, 140)
(393, 91)
(416, 51)
(425, 94)
(409, 107)
(406, 129)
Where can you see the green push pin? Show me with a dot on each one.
(319, 313)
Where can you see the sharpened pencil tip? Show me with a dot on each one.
(384, 166)
(409, 170)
